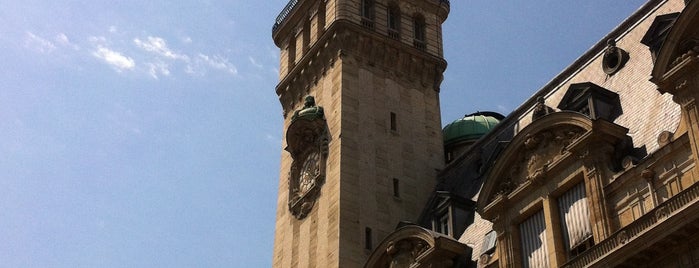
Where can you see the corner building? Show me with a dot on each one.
(596, 169)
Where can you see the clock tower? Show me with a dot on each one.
(359, 87)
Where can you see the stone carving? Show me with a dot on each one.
(614, 58)
(661, 213)
(622, 238)
(404, 253)
(307, 142)
(689, 48)
(541, 109)
(544, 148)
(506, 187)
(648, 174)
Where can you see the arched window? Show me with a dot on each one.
(368, 13)
(419, 40)
(394, 21)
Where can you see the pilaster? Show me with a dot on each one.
(596, 160)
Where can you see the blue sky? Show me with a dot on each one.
(147, 133)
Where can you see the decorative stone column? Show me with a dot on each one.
(596, 158)
(507, 246)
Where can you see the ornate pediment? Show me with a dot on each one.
(545, 146)
(539, 151)
(307, 141)
(680, 49)
(415, 247)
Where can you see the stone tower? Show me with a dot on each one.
(359, 86)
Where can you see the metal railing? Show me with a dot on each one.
(292, 4)
(285, 13)
(636, 228)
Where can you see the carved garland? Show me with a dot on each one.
(537, 153)
(404, 253)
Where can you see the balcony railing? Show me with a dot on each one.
(292, 4)
(285, 13)
(636, 228)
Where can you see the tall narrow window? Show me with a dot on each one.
(306, 42)
(532, 234)
(419, 40)
(321, 18)
(394, 125)
(575, 220)
(292, 53)
(367, 239)
(396, 187)
(393, 21)
(368, 13)
(441, 223)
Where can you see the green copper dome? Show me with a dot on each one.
(471, 127)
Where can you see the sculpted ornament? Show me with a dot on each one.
(542, 149)
(404, 253)
(307, 142)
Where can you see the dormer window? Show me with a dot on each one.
(658, 31)
(442, 223)
(591, 100)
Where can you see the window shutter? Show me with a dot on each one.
(489, 243)
(533, 238)
(575, 216)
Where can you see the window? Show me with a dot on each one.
(368, 13)
(306, 36)
(575, 220)
(367, 239)
(419, 32)
(292, 52)
(394, 125)
(442, 224)
(533, 238)
(396, 187)
(393, 21)
(321, 18)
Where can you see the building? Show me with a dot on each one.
(597, 169)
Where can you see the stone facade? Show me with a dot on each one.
(606, 150)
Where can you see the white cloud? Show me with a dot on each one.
(158, 68)
(112, 29)
(187, 40)
(63, 40)
(114, 58)
(220, 63)
(158, 46)
(38, 43)
(255, 63)
(97, 39)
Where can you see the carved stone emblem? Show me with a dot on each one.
(404, 253)
(622, 237)
(541, 109)
(541, 150)
(307, 142)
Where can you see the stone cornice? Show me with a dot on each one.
(347, 40)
